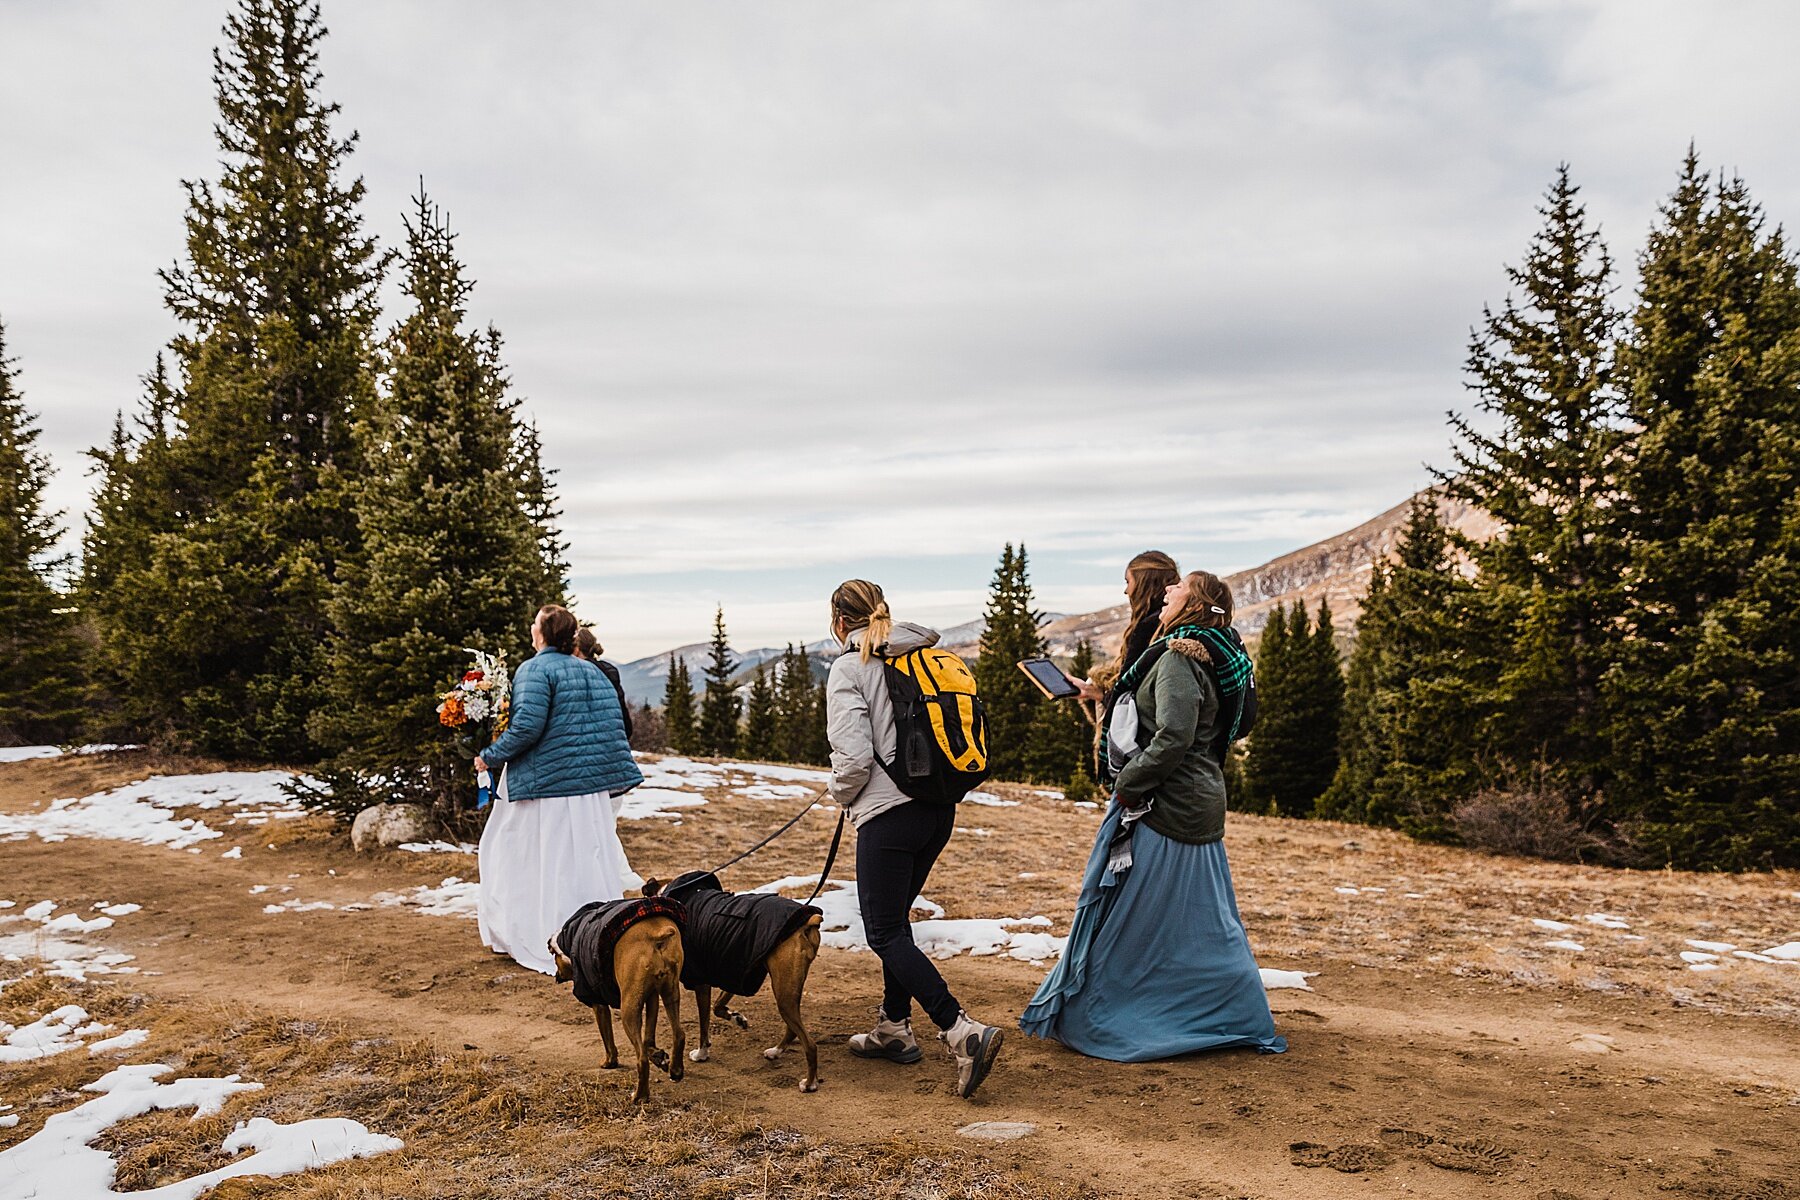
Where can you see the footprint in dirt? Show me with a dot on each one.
(1352, 1158)
(1480, 1157)
(1303, 1014)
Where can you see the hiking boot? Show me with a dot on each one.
(974, 1047)
(892, 1040)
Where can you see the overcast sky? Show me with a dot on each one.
(799, 291)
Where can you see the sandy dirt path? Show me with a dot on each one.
(1398, 1082)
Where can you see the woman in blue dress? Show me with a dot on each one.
(1157, 962)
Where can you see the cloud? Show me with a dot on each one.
(797, 290)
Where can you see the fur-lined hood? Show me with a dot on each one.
(1191, 648)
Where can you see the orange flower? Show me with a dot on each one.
(451, 713)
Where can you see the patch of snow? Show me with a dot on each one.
(1607, 921)
(299, 906)
(40, 911)
(1272, 979)
(121, 910)
(976, 830)
(1052, 794)
(1753, 956)
(1552, 926)
(990, 800)
(142, 812)
(7, 1122)
(1698, 956)
(769, 791)
(124, 1041)
(789, 774)
(1790, 951)
(1565, 944)
(643, 802)
(1022, 938)
(1086, 804)
(1413, 896)
(439, 847)
(51, 1034)
(1716, 947)
(13, 754)
(59, 1161)
(1347, 891)
(234, 852)
(1705, 966)
(454, 897)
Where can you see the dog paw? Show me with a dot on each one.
(611, 1064)
(700, 1054)
(737, 1018)
(772, 1053)
(809, 1085)
(677, 1071)
(659, 1058)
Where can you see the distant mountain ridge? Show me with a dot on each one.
(1336, 570)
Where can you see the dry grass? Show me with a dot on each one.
(474, 1126)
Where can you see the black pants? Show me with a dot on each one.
(894, 854)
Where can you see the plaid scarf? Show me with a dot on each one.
(1231, 667)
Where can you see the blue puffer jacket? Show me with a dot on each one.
(567, 734)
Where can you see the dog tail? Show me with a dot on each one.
(811, 929)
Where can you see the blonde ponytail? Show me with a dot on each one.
(860, 604)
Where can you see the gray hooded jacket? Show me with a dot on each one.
(860, 720)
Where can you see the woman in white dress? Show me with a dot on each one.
(550, 845)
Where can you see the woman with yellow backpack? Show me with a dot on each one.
(908, 739)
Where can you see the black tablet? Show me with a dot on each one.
(1049, 678)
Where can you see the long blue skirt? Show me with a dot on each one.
(1157, 962)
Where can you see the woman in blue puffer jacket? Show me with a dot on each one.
(550, 845)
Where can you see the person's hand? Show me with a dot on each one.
(1089, 691)
(480, 763)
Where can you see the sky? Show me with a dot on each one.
(803, 291)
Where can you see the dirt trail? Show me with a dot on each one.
(1397, 1082)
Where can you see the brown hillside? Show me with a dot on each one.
(1336, 569)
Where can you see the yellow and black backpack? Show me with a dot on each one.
(940, 726)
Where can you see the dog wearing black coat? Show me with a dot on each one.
(731, 942)
(626, 954)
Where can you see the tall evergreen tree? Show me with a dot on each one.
(212, 614)
(759, 735)
(1011, 635)
(453, 557)
(1704, 700)
(1542, 371)
(1418, 705)
(1271, 750)
(43, 684)
(717, 730)
(794, 703)
(678, 708)
(818, 730)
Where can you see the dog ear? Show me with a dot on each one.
(651, 887)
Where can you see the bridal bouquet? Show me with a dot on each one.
(477, 706)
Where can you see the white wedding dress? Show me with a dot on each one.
(540, 861)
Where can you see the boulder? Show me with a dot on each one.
(390, 825)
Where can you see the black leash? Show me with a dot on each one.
(830, 857)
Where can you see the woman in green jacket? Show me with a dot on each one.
(1157, 962)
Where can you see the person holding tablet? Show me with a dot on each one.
(1132, 984)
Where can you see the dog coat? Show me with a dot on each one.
(590, 936)
(729, 935)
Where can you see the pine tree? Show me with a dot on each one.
(794, 704)
(818, 731)
(212, 615)
(1011, 635)
(717, 731)
(43, 683)
(1418, 706)
(1703, 704)
(678, 708)
(453, 557)
(759, 735)
(1271, 751)
(1542, 372)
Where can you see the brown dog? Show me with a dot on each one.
(630, 968)
(731, 942)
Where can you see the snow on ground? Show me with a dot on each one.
(989, 800)
(1565, 944)
(454, 897)
(1272, 979)
(1552, 926)
(143, 812)
(1607, 921)
(58, 1160)
(1788, 951)
(13, 754)
(439, 847)
(672, 784)
(1023, 938)
(63, 959)
(1716, 947)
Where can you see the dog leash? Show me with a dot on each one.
(830, 857)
